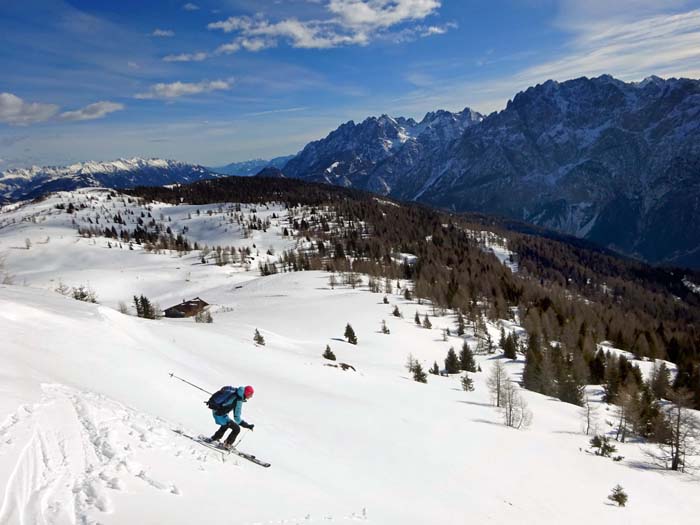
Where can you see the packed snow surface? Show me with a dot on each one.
(88, 408)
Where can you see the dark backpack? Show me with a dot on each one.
(223, 400)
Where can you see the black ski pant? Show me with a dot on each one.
(235, 429)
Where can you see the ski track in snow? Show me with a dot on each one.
(78, 448)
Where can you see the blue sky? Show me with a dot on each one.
(218, 81)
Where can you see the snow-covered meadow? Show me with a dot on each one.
(87, 406)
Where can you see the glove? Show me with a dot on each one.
(248, 426)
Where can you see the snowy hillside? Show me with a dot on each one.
(88, 409)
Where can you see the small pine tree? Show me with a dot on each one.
(418, 374)
(407, 294)
(435, 370)
(467, 383)
(466, 359)
(396, 312)
(350, 335)
(416, 319)
(137, 305)
(258, 338)
(386, 300)
(385, 328)
(618, 495)
(603, 446)
(452, 362)
(426, 322)
(460, 323)
(328, 353)
(510, 347)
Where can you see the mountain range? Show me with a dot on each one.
(613, 162)
(251, 167)
(29, 183)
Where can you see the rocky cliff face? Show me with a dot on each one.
(352, 154)
(613, 162)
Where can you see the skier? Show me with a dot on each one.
(234, 403)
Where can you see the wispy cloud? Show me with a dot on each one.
(186, 57)
(664, 44)
(15, 111)
(175, 90)
(190, 7)
(274, 111)
(163, 32)
(91, 111)
(349, 22)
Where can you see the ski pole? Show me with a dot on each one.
(191, 384)
(240, 440)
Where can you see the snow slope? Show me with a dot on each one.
(87, 406)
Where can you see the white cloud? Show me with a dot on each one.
(190, 7)
(227, 49)
(350, 22)
(381, 13)
(249, 44)
(14, 110)
(91, 111)
(163, 32)
(178, 89)
(186, 57)
(133, 65)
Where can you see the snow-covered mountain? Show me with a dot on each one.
(350, 155)
(252, 167)
(614, 162)
(26, 183)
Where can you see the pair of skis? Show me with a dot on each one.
(203, 440)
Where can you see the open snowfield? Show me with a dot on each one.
(87, 407)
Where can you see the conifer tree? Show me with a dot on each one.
(452, 362)
(258, 338)
(532, 373)
(436, 369)
(426, 322)
(596, 368)
(418, 374)
(396, 312)
(460, 324)
(466, 359)
(467, 383)
(137, 305)
(350, 335)
(618, 495)
(328, 353)
(660, 382)
(510, 346)
(416, 319)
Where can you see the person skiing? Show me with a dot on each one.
(233, 401)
